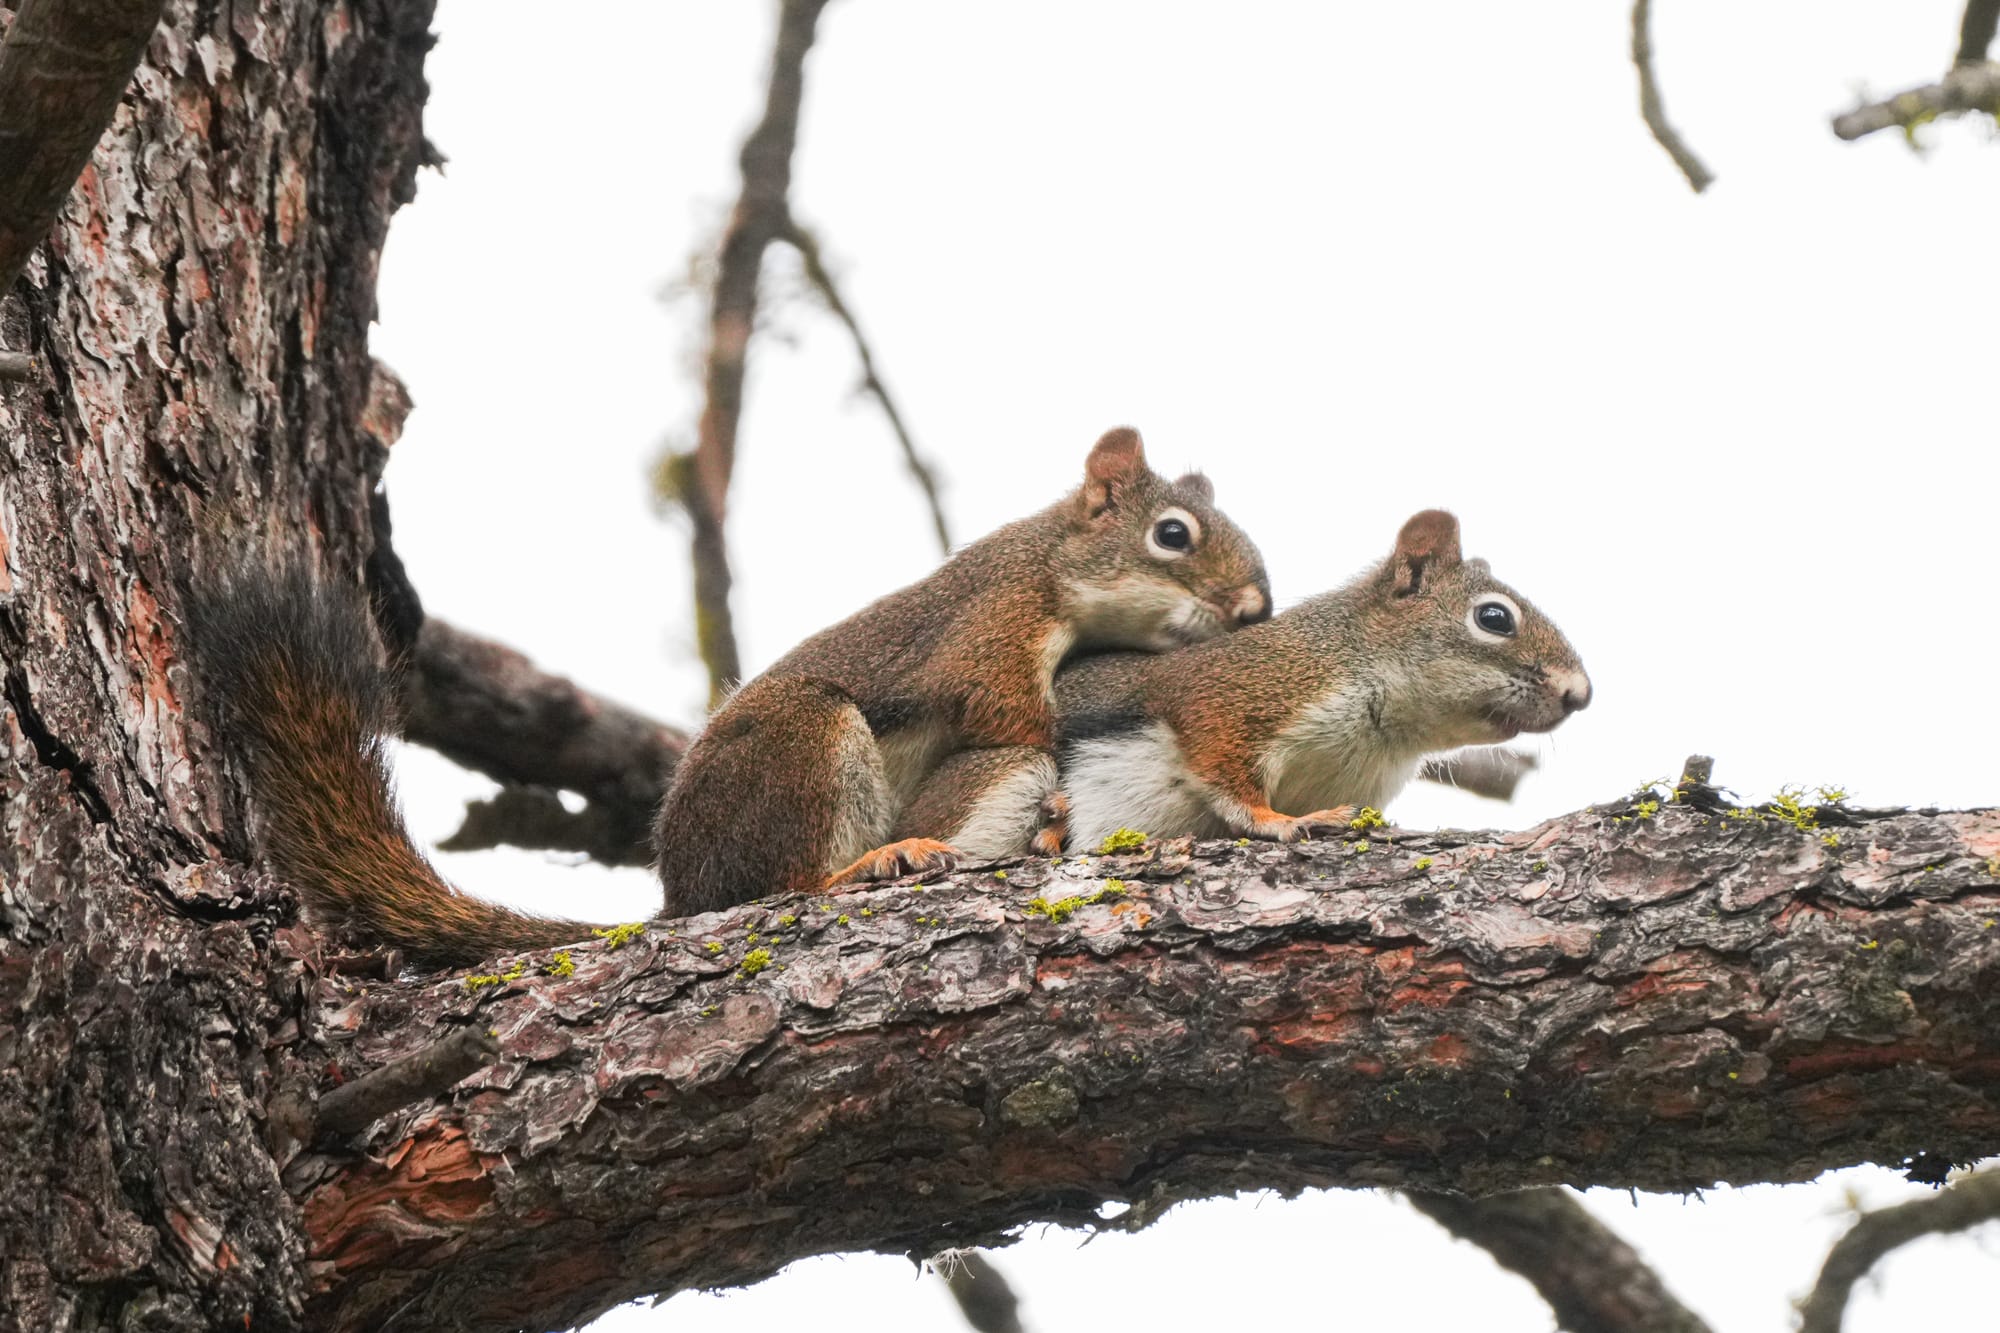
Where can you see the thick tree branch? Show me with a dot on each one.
(1653, 110)
(63, 66)
(920, 471)
(1968, 1203)
(1593, 1281)
(489, 708)
(1974, 87)
(1654, 996)
(1975, 31)
(702, 478)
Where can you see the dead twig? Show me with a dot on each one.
(16, 367)
(1974, 87)
(1593, 1281)
(1650, 106)
(1975, 31)
(1973, 1200)
(981, 1290)
(701, 479)
(920, 471)
(415, 1077)
(63, 66)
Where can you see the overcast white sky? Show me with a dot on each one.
(1352, 260)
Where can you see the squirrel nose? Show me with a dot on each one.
(1251, 603)
(1575, 687)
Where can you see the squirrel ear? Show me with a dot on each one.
(1428, 543)
(1117, 460)
(1202, 488)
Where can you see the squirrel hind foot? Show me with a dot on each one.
(1050, 838)
(1271, 826)
(911, 856)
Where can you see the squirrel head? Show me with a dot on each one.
(1150, 563)
(1478, 662)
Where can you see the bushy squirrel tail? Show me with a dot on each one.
(288, 665)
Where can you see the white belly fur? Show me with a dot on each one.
(1137, 780)
(1335, 755)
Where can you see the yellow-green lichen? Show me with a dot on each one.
(1831, 839)
(1361, 846)
(562, 965)
(1243, 842)
(713, 946)
(788, 920)
(1423, 863)
(1124, 840)
(999, 874)
(1539, 865)
(1369, 818)
(615, 936)
(840, 920)
(481, 982)
(755, 961)
(1061, 909)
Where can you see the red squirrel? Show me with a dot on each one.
(798, 780)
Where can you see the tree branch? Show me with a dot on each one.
(920, 471)
(1593, 1281)
(982, 1291)
(1973, 87)
(1656, 1000)
(1975, 31)
(1968, 1203)
(1653, 110)
(63, 66)
(702, 479)
(417, 1076)
(489, 708)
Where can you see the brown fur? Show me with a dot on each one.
(291, 670)
(961, 659)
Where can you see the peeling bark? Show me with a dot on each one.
(197, 321)
(1660, 1003)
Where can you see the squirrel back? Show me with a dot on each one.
(297, 691)
(1334, 703)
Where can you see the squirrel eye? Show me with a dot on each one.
(1173, 534)
(1494, 618)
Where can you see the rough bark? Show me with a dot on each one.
(198, 324)
(63, 66)
(1661, 1002)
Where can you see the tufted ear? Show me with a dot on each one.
(1117, 460)
(1427, 545)
(1202, 488)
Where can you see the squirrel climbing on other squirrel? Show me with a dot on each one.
(1331, 705)
(797, 781)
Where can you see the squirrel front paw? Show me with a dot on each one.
(1273, 827)
(911, 856)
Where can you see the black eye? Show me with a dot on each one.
(1494, 618)
(1173, 534)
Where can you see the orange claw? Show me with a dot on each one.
(911, 856)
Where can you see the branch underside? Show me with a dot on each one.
(1607, 999)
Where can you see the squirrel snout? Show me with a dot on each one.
(1575, 689)
(1243, 605)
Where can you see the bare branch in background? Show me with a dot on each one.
(807, 245)
(701, 478)
(1593, 1281)
(1975, 31)
(1650, 107)
(1971, 1201)
(489, 708)
(1966, 88)
(63, 66)
(981, 1290)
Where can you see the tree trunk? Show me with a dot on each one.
(199, 317)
